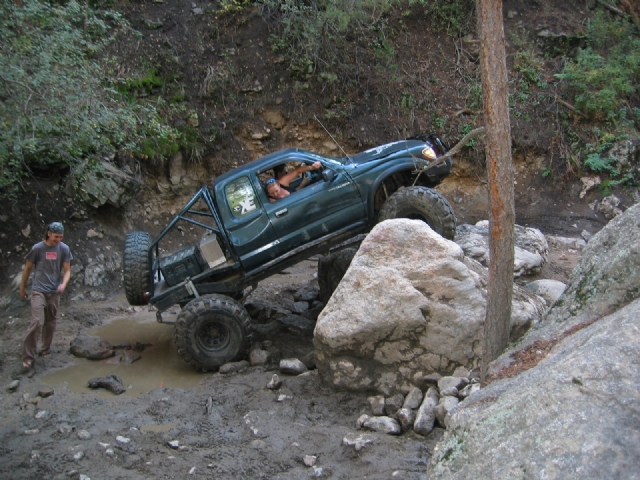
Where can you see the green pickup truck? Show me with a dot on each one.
(247, 238)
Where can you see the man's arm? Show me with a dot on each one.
(25, 277)
(67, 276)
(288, 178)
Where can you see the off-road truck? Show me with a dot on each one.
(246, 238)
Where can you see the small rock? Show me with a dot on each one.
(13, 386)
(65, 429)
(175, 444)
(91, 233)
(258, 357)
(361, 420)
(233, 367)
(358, 441)
(461, 372)
(123, 440)
(84, 434)
(383, 424)
(426, 417)
(449, 392)
(406, 417)
(282, 397)
(468, 390)
(258, 444)
(275, 382)
(445, 383)
(444, 407)
(377, 404)
(78, 456)
(292, 366)
(41, 414)
(413, 398)
(317, 471)
(393, 404)
(309, 460)
(109, 452)
(45, 392)
(130, 356)
(300, 307)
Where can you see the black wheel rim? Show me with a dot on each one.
(213, 336)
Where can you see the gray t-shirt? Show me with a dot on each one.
(47, 263)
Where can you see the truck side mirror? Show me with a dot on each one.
(328, 175)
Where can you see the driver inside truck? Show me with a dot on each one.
(278, 187)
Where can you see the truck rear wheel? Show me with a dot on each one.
(421, 203)
(137, 268)
(212, 330)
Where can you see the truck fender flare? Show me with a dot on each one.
(407, 165)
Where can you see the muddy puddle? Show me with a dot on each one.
(159, 365)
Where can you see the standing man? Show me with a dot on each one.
(49, 257)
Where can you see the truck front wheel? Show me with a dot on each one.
(212, 330)
(421, 203)
(137, 268)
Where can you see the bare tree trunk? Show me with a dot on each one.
(500, 169)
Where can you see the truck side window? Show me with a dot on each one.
(241, 197)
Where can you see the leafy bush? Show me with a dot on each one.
(457, 17)
(605, 74)
(56, 108)
(312, 33)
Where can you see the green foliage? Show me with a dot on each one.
(457, 17)
(57, 108)
(597, 163)
(605, 74)
(312, 33)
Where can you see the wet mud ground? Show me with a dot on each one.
(225, 426)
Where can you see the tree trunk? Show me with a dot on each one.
(500, 170)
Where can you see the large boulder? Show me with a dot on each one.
(575, 415)
(606, 277)
(410, 304)
(564, 400)
(103, 183)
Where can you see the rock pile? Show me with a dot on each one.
(417, 410)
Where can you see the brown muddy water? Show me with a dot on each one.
(160, 365)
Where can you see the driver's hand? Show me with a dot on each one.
(316, 166)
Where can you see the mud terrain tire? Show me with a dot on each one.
(137, 268)
(421, 203)
(212, 330)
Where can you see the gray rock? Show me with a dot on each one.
(361, 419)
(451, 392)
(258, 357)
(406, 417)
(300, 307)
(297, 324)
(461, 372)
(426, 416)
(275, 383)
(91, 347)
(446, 404)
(531, 247)
(399, 315)
(413, 398)
(574, 414)
(306, 294)
(105, 183)
(550, 290)
(445, 383)
(292, 366)
(233, 367)
(377, 404)
(13, 386)
(83, 434)
(468, 390)
(383, 424)
(358, 440)
(393, 404)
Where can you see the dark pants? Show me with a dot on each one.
(44, 315)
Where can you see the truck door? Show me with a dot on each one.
(248, 225)
(315, 210)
